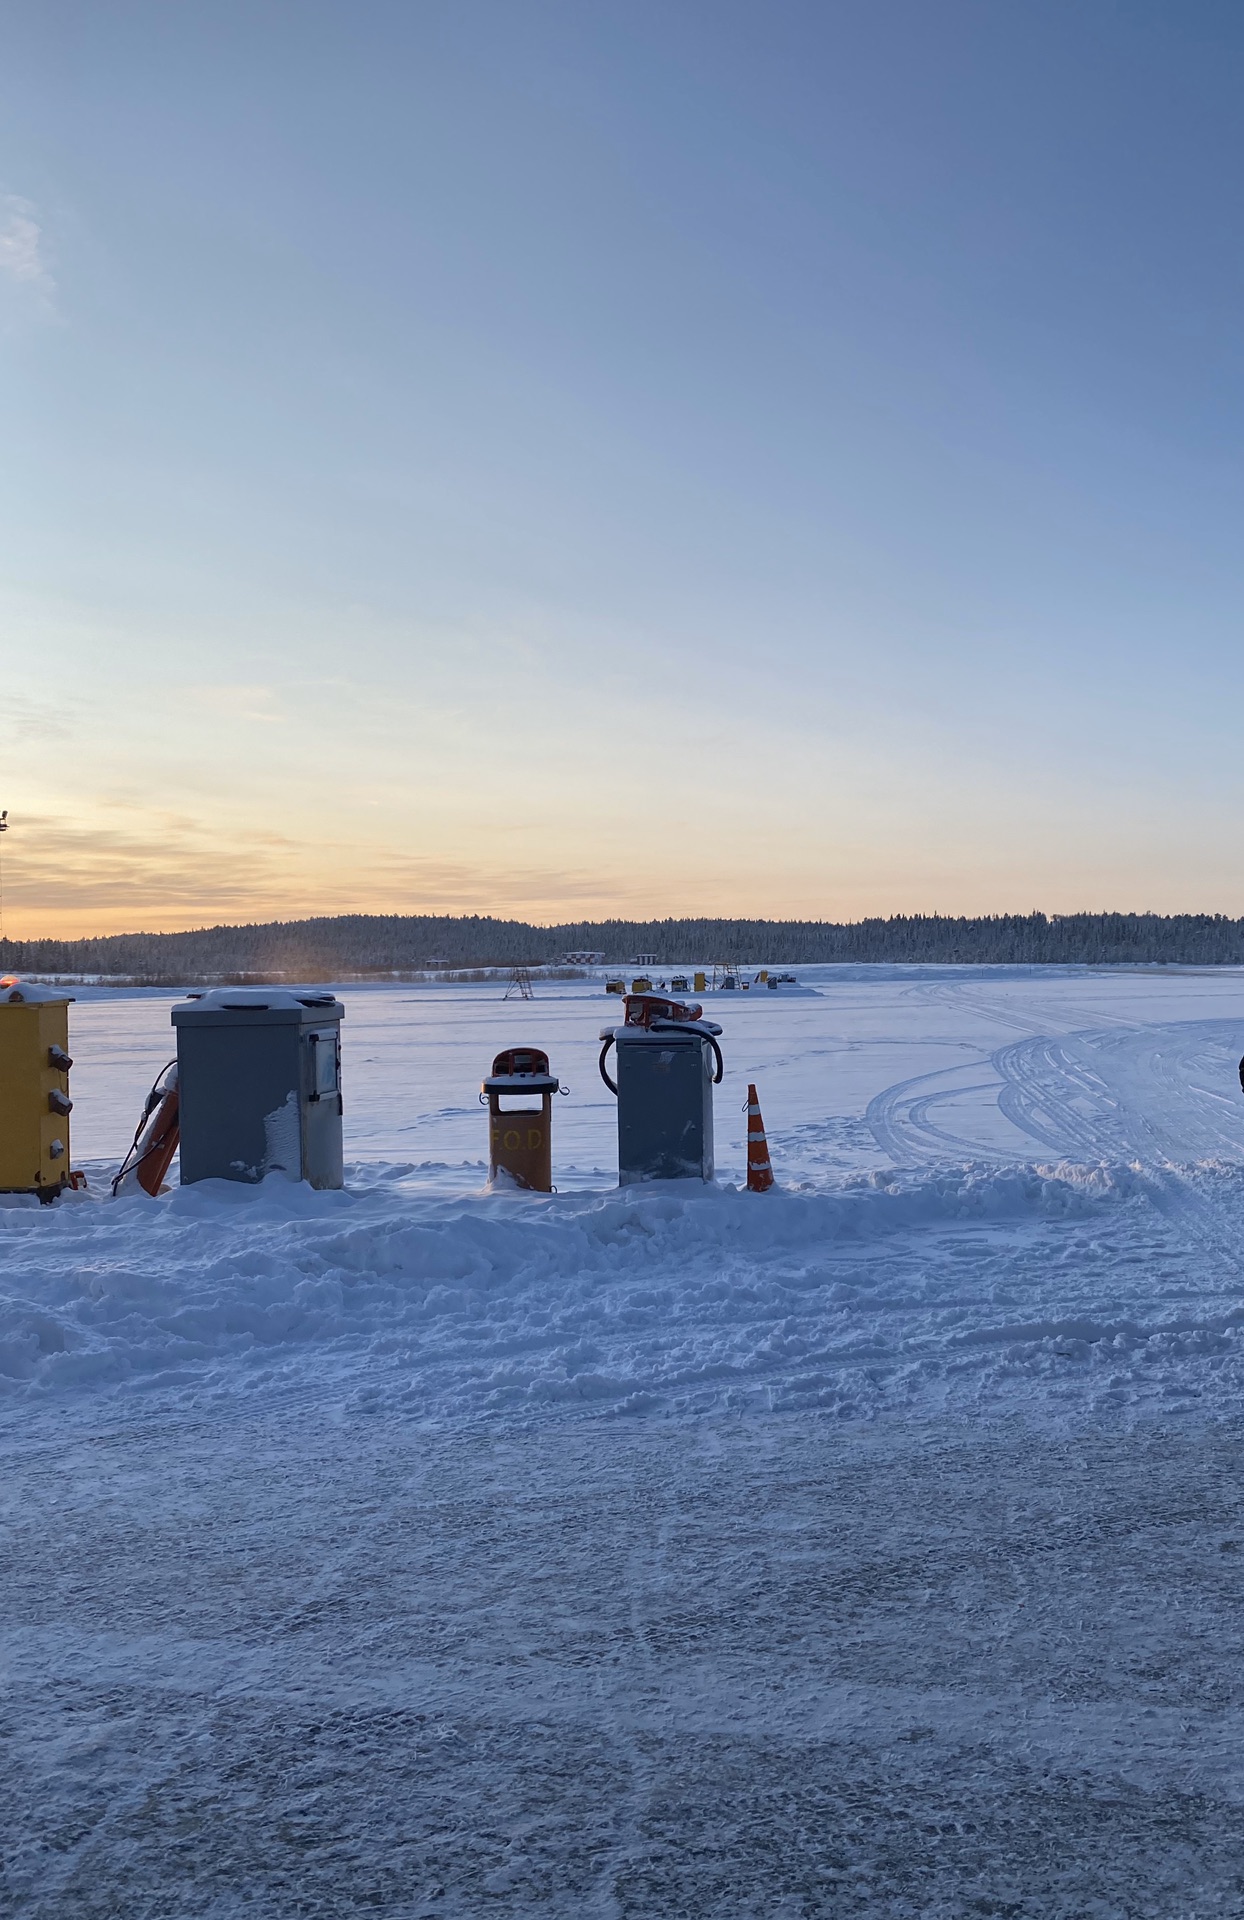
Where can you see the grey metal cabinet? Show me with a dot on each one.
(259, 1071)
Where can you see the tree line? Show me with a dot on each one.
(402, 943)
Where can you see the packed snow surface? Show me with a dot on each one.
(871, 1546)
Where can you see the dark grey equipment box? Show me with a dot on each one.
(665, 1104)
(259, 1075)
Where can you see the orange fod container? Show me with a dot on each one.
(519, 1096)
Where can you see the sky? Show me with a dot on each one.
(561, 460)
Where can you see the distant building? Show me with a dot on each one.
(646, 960)
(582, 959)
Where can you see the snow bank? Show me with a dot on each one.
(14, 992)
(964, 1283)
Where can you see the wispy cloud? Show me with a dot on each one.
(28, 719)
(59, 872)
(144, 871)
(22, 254)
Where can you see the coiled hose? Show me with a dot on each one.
(673, 1027)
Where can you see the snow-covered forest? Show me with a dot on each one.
(360, 943)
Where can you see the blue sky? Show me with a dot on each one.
(568, 459)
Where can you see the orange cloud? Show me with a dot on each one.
(62, 877)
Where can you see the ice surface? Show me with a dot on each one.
(873, 1546)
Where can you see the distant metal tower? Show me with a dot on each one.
(520, 985)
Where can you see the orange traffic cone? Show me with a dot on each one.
(759, 1172)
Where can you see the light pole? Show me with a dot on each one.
(4, 827)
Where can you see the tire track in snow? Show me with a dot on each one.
(1061, 1017)
(898, 1118)
(1034, 1078)
(1085, 1095)
(1150, 1096)
(1160, 1086)
(1050, 1093)
(1091, 1095)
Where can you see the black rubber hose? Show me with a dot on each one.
(673, 1027)
(133, 1158)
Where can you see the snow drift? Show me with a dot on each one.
(958, 1282)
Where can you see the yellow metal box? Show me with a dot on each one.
(34, 1089)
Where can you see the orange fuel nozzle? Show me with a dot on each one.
(642, 1009)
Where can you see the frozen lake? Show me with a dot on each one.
(886, 1066)
(872, 1547)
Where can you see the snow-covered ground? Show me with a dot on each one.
(875, 1546)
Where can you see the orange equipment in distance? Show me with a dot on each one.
(521, 1137)
(156, 1140)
